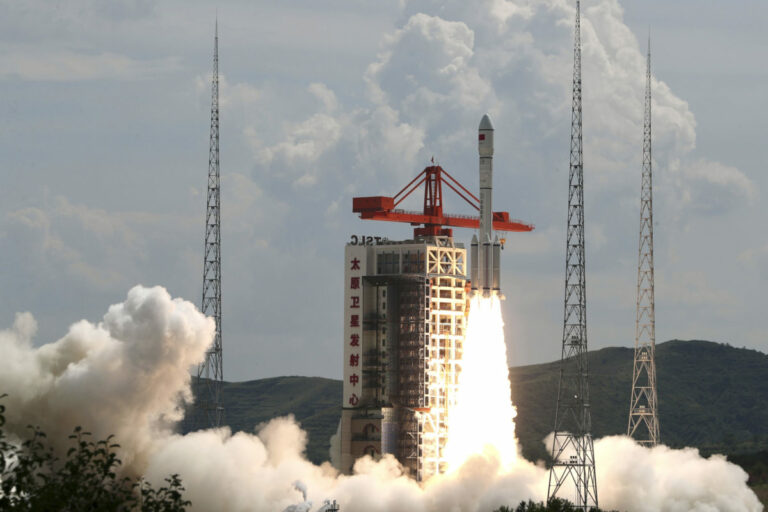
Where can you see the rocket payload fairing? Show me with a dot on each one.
(484, 253)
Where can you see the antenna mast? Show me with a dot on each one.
(573, 452)
(643, 407)
(210, 373)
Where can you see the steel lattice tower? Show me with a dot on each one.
(643, 406)
(573, 452)
(210, 373)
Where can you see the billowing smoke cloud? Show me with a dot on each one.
(639, 479)
(128, 374)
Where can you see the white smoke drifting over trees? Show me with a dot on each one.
(128, 376)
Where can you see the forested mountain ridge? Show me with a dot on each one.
(711, 396)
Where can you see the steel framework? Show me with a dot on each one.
(210, 373)
(643, 423)
(572, 448)
(431, 220)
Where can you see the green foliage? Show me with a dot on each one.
(33, 478)
(554, 505)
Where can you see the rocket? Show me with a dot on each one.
(484, 253)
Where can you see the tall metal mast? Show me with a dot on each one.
(643, 406)
(210, 373)
(573, 452)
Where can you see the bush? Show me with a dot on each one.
(33, 478)
(554, 505)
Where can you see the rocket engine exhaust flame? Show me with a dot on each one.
(482, 420)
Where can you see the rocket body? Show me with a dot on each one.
(485, 249)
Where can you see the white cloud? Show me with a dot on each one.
(92, 246)
(711, 187)
(308, 123)
(250, 212)
(426, 69)
(231, 96)
(384, 141)
(62, 65)
(325, 95)
(695, 289)
(304, 143)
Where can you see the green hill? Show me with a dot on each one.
(711, 396)
(314, 401)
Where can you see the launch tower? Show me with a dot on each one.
(573, 453)
(405, 308)
(405, 305)
(643, 407)
(210, 373)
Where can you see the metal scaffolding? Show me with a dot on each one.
(412, 309)
(643, 423)
(572, 448)
(210, 374)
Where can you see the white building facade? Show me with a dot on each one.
(405, 306)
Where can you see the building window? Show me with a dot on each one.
(413, 262)
(388, 263)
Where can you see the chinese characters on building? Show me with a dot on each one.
(353, 328)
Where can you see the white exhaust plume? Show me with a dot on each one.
(127, 374)
(639, 479)
(482, 421)
(124, 376)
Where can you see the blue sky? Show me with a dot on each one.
(105, 133)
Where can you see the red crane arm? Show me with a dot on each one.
(432, 219)
(501, 220)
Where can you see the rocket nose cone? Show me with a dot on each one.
(485, 123)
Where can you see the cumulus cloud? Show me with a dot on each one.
(451, 61)
(330, 141)
(711, 187)
(446, 63)
(325, 95)
(306, 141)
(232, 96)
(426, 69)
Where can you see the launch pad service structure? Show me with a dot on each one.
(405, 313)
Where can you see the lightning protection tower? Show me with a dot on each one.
(210, 373)
(643, 407)
(573, 468)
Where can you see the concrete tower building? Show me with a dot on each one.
(404, 311)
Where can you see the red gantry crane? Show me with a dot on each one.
(432, 221)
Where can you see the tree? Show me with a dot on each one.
(554, 505)
(33, 478)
